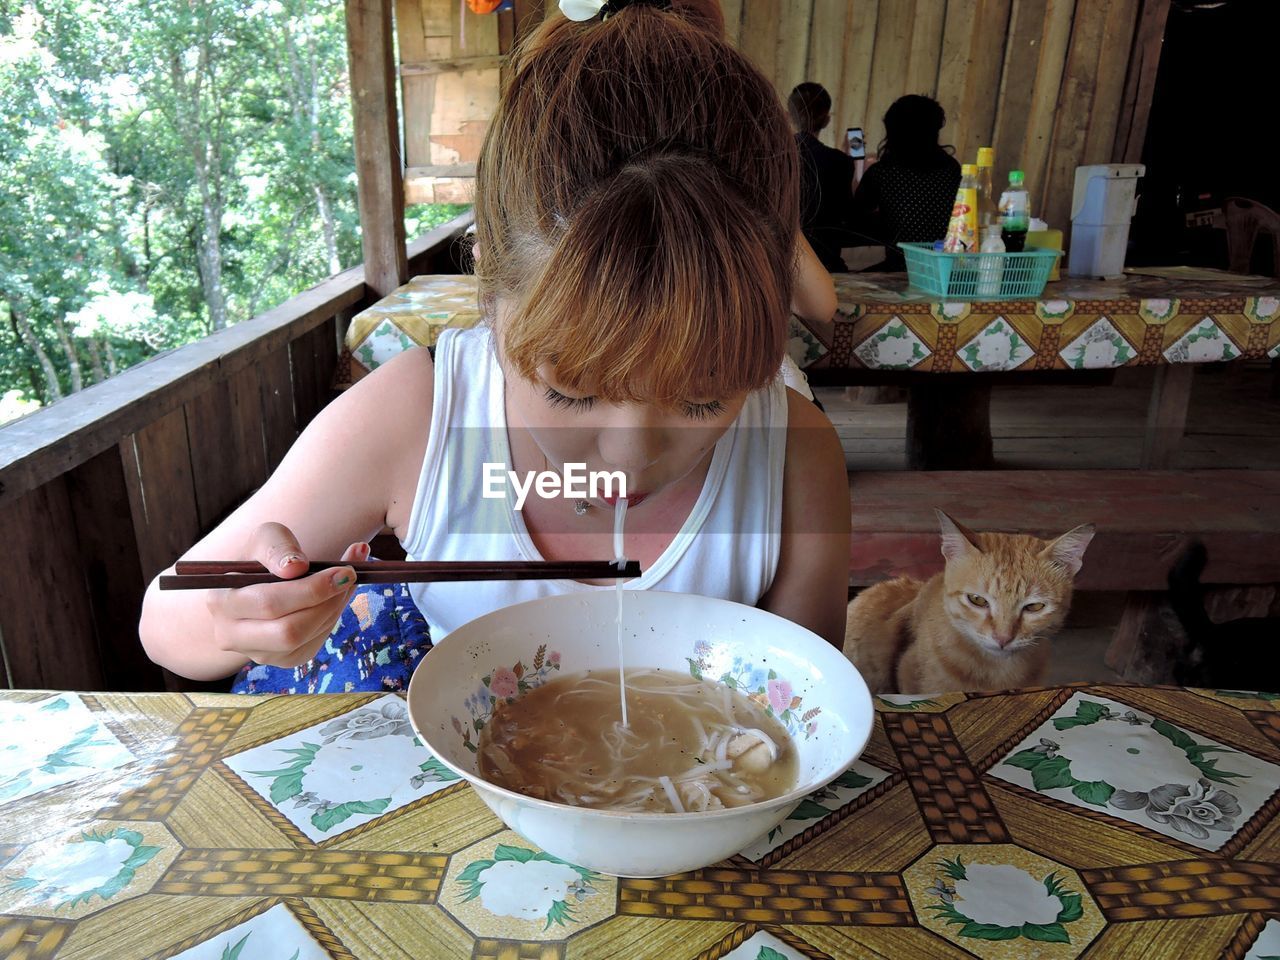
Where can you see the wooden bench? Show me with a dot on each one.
(1144, 519)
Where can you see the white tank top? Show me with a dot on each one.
(728, 546)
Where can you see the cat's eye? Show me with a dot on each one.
(1033, 607)
(976, 600)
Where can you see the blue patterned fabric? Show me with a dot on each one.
(380, 638)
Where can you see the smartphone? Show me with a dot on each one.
(857, 146)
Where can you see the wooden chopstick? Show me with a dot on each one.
(220, 574)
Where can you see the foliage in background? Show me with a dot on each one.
(166, 169)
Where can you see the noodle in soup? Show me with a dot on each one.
(690, 745)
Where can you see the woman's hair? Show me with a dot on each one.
(911, 127)
(809, 105)
(637, 205)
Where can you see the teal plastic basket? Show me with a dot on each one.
(955, 276)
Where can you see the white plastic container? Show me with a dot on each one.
(990, 269)
(1102, 206)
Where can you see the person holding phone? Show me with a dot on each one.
(826, 177)
(907, 194)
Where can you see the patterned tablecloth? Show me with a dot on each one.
(1098, 821)
(881, 325)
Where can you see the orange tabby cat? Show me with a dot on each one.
(982, 624)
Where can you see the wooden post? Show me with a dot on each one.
(1167, 415)
(379, 165)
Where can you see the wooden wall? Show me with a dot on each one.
(1043, 81)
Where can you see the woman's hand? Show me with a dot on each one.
(282, 624)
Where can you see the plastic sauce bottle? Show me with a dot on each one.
(990, 269)
(987, 212)
(1015, 213)
(962, 230)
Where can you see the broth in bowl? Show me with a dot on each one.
(688, 746)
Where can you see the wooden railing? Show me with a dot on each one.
(105, 488)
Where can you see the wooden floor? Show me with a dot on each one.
(1233, 423)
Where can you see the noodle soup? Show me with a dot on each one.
(690, 746)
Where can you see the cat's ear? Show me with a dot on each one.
(957, 539)
(1068, 550)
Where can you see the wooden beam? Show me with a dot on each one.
(441, 170)
(377, 137)
(1139, 86)
(452, 66)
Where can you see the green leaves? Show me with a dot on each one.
(808, 810)
(437, 770)
(1052, 772)
(768, 953)
(1087, 712)
(851, 780)
(287, 782)
(1196, 752)
(233, 953)
(330, 818)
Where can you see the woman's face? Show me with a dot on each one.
(654, 447)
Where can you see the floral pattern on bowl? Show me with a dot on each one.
(505, 685)
(762, 686)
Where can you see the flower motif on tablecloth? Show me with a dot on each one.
(1104, 755)
(528, 885)
(950, 312)
(384, 342)
(763, 945)
(52, 742)
(101, 865)
(1157, 311)
(274, 933)
(996, 347)
(1206, 342)
(347, 771)
(818, 805)
(1193, 809)
(1262, 309)
(503, 685)
(1003, 902)
(892, 347)
(81, 873)
(802, 345)
(1099, 347)
(999, 901)
(1054, 311)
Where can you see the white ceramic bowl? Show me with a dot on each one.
(824, 704)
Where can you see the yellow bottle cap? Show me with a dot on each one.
(986, 157)
(968, 169)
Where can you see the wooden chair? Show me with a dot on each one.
(1246, 221)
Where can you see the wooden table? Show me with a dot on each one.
(950, 354)
(1104, 821)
